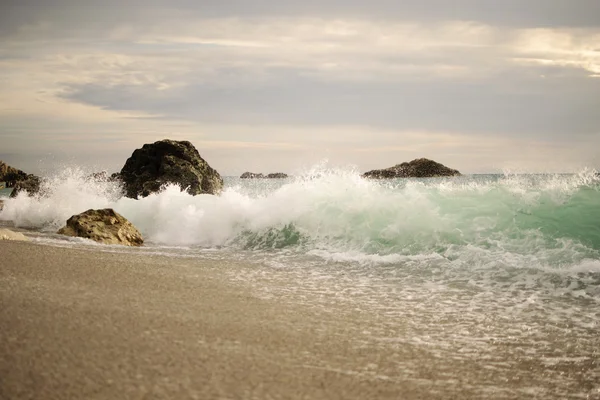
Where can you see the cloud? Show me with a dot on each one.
(90, 13)
(343, 48)
(510, 104)
(316, 80)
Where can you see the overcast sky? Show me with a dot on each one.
(271, 85)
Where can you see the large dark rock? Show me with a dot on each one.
(18, 180)
(419, 168)
(168, 161)
(104, 226)
(252, 175)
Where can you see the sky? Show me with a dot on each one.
(272, 85)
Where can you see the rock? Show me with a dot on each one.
(252, 175)
(419, 168)
(168, 161)
(104, 226)
(7, 234)
(7, 172)
(30, 185)
(18, 180)
(101, 176)
(277, 175)
(115, 177)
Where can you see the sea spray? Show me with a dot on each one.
(69, 191)
(543, 220)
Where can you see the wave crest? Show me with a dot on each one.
(336, 211)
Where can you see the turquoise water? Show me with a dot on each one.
(415, 216)
(4, 193)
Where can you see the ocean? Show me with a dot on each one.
(495, 279)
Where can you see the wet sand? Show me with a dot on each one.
(88, 324)
(80, 324)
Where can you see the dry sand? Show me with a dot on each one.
(79, 324)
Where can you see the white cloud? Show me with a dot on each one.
(174, 52)
(560, 47)
(235, 53)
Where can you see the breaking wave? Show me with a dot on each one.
(544, 220)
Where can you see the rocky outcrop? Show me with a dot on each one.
(277, 175)
(252, 175)
(168, 161)
(30, 185)
(419, 168)
(7, 234)
(104, 226)
(18, 180)
(7, 172)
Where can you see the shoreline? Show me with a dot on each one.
(87, 323)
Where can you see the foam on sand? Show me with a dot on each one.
(7, 234)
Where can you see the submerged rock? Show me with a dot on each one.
(168, 161)
(419, 168)
(252, 175)
(104, 226)
(7, 234)
(18, 180)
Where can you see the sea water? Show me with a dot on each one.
(499, 272)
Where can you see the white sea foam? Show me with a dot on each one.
(514, 220)
(68, 192)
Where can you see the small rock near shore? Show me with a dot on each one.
(103, 226)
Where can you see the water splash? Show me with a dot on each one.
(542, 218)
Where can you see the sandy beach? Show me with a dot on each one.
(89, 325)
